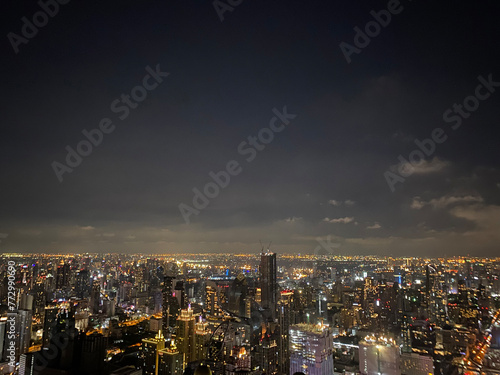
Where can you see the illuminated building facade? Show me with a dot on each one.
(170, 361)
(311, 349)
(150, 349)
(379, 355)
(186, 334)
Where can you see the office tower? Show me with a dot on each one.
(268, 283)
(212, 300)
(150, 349)
(379, 355)
(49, 284)
(24, 320)
(186, 334)
(83, 286)
(268, 355)
(170, 304)
(202, 337)
(416, 364)
(157, 299)
(125, 291)
(108, 306)
(238, 292)
(39, 298)
(62, 275)
(95, 297)
(311, 349)
(180, 294)
(171, 361)
(49, 324)
(284, 321)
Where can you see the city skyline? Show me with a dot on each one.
(279, 315)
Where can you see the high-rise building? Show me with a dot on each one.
(268, 282)
(39, 299)
(311, 349)
(170, 304)
(284, 319)
(212, 300)
(379, 355)
(237, 295)
(180, 294)
(171, 361)
(62, 275)
(268, 355)
(83, 286)
(24, 318)
(95, 297)
(150, 351)
(186, 334)
(202, 337)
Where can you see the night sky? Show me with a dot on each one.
(325, 173)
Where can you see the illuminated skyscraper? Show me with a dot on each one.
(284, 318)
(150, 350)
(202, 337)
(83, 286)
(268, 283)
(212, 300)
(170, 361)
(311, 349)
(95, 297)
(186, 334)
(170, 303)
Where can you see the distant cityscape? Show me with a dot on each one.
(261, 313)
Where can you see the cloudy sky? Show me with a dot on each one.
(323, 176)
